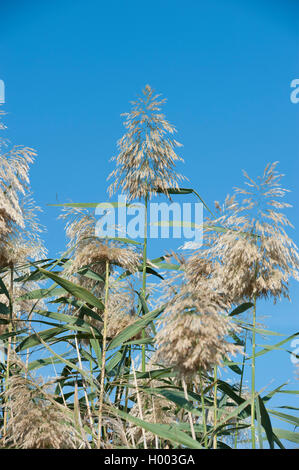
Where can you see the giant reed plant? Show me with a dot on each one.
(90, 325)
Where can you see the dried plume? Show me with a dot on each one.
(193, 328)
(36, 421)
(256, 254)
(19, 229)
(93, 253)
(146, 162)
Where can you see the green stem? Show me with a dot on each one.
(103, 355)
(127, 387)
(253, 377)
(215, 407)
(10, 329)
(189, 413)
(144, 275)
(241, 385)
(203, 411)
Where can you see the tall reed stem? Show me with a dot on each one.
(203, 410)
(144, 274)
(189, 413)
(215, 406)
(103, 355)
(9, 347)
(241, 385)
(253, 377)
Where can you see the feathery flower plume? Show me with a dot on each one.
(22, 306)
(88, 251)
(35, 421)
(19, 230)
(193, 327)
(145, 163)
(121, 311)
(93, 253)
(257, 256)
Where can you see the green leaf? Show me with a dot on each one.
(138, 342)
(288, 435)
(140, 269)
(266, 422)
(113, 361)
(164, 431)
(169, 266)
(82, 309)
(87, 272)
(42, 293)
(44, 362)
(3, 289)
(150, 271)
(122, 240)
(176, 223)
(4, 309)
(241, 308)
(275, 346)
(185, 191)
(33, 339)
(71, 321)
(176, 190)
(91, 205)
(176, 396)
(84, 374)
(74, 289)
(259, 424)
(135, 328)
(285, 417)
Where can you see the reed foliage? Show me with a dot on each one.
(95, 355)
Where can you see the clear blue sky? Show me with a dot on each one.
(71, 68)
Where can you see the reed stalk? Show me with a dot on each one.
(189, 413)
(144, 275)
(253, 377)
(204, 423)
(101, 399)
(215, 406)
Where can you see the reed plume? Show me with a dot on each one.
(193, 326)
(146, 162)
(36, 421)
(256, 254)
(89, 250)
(19, 228)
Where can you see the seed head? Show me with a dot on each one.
(256, 255)
(145, 164)
(193, 328)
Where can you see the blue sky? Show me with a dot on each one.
(71, 67)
